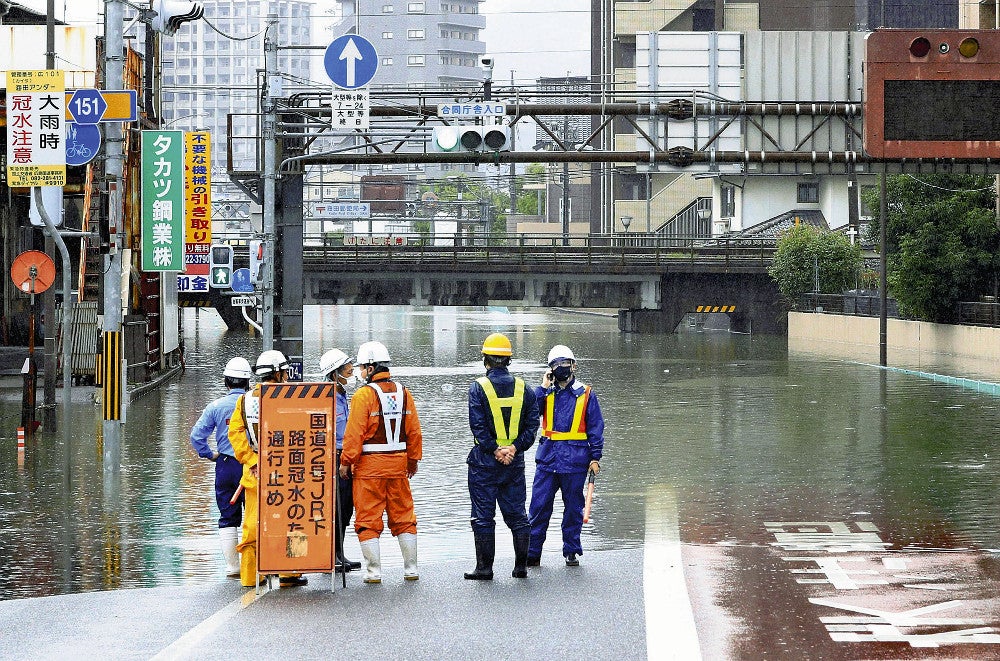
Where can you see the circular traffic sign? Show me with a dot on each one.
(87, 106)
(83, 141)
(350, 61)
(33, 271)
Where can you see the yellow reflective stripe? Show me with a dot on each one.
(578, 411)
(505, 434)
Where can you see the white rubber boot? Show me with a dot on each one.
(373, 561)
(408, 547)
(228, 538)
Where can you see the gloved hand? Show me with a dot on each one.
(411, 467)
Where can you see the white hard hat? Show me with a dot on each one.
(372, 352)
(270, 361)
(332, 360)
(238, 368)
(560, 352)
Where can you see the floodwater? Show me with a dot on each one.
(740, 432)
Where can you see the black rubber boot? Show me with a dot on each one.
(520, 555)
(485, 550)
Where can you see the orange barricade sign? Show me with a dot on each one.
(297, 488)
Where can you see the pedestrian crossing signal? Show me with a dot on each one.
(221, 269)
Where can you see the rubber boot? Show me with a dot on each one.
(521, 540)
(485, 551)
(373, 560)
(227, 539)
(408, 547)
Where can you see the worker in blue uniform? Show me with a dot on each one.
(337, 366)
(503, 417)
(215, 419)
(571, 444)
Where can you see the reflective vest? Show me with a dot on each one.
(389, 437)
(578, 429)
(506, 434)
(251, 416)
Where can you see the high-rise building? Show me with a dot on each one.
(210, 80)
(421, 45)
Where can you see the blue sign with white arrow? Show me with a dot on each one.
(242, 284)
(87, 106)
(350, 61)
(83, 141)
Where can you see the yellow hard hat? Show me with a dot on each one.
(497, 344)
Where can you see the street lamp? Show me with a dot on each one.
(626, 221)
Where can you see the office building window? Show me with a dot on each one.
(414, 34)
(808, 193)
(387, 35)
(415, 61)
(415, 7)
(386, 9)
(387, 61)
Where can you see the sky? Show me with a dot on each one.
(532, 38)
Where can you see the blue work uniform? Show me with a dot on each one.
(572, 437)
(490, 482)
(345, 486)
(215, 418)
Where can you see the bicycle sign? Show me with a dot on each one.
(83, 141)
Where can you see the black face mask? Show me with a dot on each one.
(562, 373)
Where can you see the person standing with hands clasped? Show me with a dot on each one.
(336, 366)
(215, 419)
(503, 417)
(571, 444)
(382, 445)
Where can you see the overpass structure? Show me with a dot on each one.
(653, 283)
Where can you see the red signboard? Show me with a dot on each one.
(297, 478)
(932, 94)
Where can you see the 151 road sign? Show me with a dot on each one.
(91, 106)
(350, 61)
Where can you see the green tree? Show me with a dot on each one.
(529, 200)
(941, 242)
(804, 249)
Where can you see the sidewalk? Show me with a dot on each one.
(593, 611)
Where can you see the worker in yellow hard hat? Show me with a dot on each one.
(503, 417)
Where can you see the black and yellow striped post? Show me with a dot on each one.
(111, 375)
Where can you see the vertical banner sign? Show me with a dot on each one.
(197, 211)
(351, 108)
(297, 478)
(36, 110)
(162, 201)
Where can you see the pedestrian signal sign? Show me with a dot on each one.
(221, 266)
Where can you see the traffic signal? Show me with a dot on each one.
(471, 138)
(932, 94)
(221, 266)
(171, 13)
(257, 262)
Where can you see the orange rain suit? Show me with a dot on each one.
(381, 482)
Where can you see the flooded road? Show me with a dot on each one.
(744, 441)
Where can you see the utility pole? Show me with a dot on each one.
(114, 13)
(269, 136)
(49, 297)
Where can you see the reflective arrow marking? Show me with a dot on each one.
(670, 627)
(351, 55)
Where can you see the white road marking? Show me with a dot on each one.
(183, 647)
(670, 629)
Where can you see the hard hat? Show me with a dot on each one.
(372, 352)
(238, 368)
(332, 360)
(497, 344)
(560, 352)
(270, 361)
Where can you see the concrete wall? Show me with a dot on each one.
(971, 351)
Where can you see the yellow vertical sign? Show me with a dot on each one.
(197, 202)
(111, 375)
(36, 129)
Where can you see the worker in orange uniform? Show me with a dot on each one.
(382, 445)
(271, 367)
